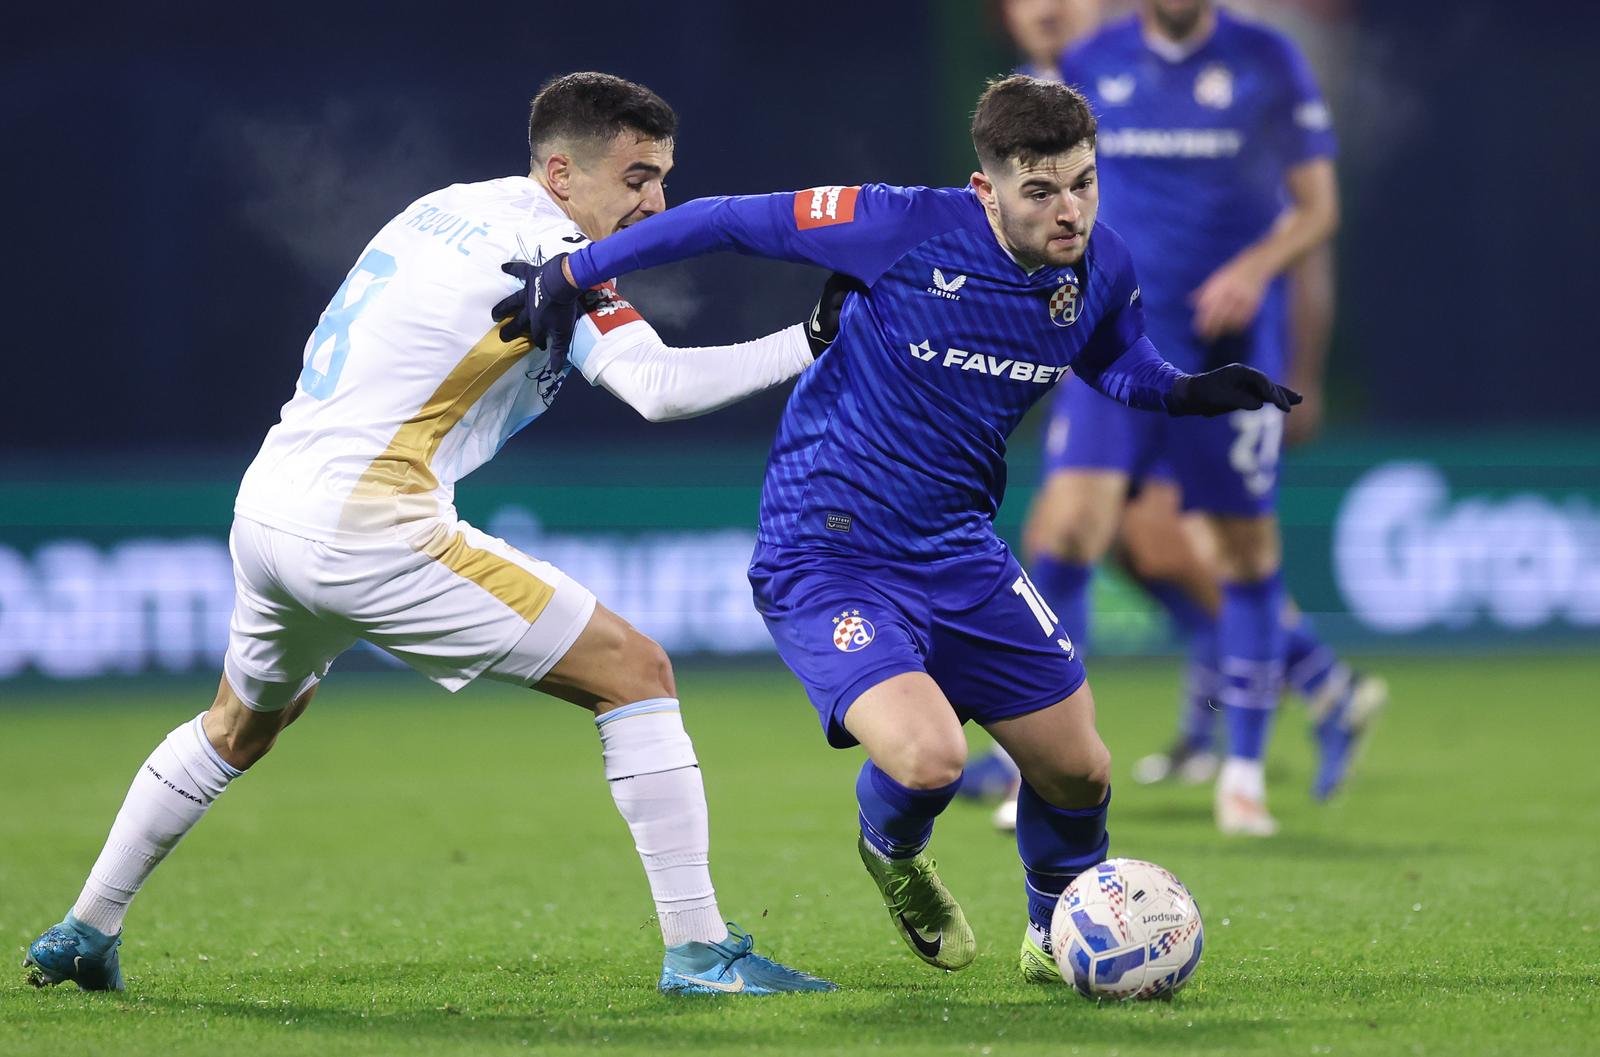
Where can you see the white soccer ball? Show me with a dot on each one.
(1126, 929)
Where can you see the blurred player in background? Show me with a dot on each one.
(1218, 144)
(877, 567)
(345, 527)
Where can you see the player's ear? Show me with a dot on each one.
(984, 186)
(558, 173)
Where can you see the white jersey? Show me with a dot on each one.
(406, 386)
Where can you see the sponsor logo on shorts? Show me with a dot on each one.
(852, 631)
(822, 207)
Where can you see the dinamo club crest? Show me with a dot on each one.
(852, 631)
(1066, 303)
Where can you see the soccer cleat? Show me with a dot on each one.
(75, 951)
(1005, 811)
(731, 968)
(1188, 763)
(1340, 729)
(922, 909)
(1239, 815)
(1038, 966)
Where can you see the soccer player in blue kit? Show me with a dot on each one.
(1218, 142)
(877, 567)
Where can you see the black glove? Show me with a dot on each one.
(823, 326)
(1231, 388)
(545, 310)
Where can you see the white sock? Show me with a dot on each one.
(655, 781)
(172, 790)
(1248, 778)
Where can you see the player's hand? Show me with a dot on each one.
(1228, 300)
(823, 326)
(545, 310)
(1231, 388)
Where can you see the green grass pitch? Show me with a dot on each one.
(414, 873)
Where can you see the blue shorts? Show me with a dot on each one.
(1225, 465)
(975, 624)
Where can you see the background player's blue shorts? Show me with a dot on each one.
(976, 624)
(1225, 465)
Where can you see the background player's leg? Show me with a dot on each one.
(1061, 812)
(1070, 528)
(1252, 643)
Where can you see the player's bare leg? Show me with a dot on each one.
(626, 680)
(1250, 629)
(915, 751)
(1061, 812)
(170, 793)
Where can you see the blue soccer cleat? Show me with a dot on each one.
(75, 951)
(1340, 730)
(731, 967)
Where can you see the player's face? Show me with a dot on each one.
(1177, 18)
(1044, 28)
(1044, 210)
(619, 185)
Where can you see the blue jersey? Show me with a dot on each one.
(1193, 151)
(894, 442)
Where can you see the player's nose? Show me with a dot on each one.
(1069, 212)
(655, 201)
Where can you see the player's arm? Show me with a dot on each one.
(617, 349)
(1120, 361)
(1311, 304)
(1296, 123)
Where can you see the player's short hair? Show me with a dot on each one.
(596, 107)
(1021, 118)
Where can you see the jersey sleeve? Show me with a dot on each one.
(860, 231)
(1299, 122)
(609, 327)
(1119, 360)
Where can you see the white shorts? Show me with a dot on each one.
(459, 605)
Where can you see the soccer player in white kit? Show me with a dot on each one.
(344, 527)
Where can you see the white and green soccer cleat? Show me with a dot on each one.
(922, 909)
(1038, 966)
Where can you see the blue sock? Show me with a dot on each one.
(1251, 641)
(1197, 723)
(1202, 691)
(1065, 586)
(895, 819)
(1310, 665)
(1056, 845)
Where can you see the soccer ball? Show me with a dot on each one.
(1126, 929)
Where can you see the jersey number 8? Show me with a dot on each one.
(329, 345)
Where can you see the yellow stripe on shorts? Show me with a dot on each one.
(507, 581)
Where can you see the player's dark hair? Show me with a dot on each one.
(597, 107)
(1023, 119)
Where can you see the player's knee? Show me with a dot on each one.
(643, 670)
(930, 763)
(1079, 783)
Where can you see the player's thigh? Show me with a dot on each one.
(241, 734)
(609, 665)
(1059, 751)
(842, 627)
(1157, 545)
(279, 648)
(998, 649)
(910, 730)
(1248, 549)
(461, 604)
(1075, 514)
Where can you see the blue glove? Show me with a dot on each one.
(1231, 388)
(545, 310)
